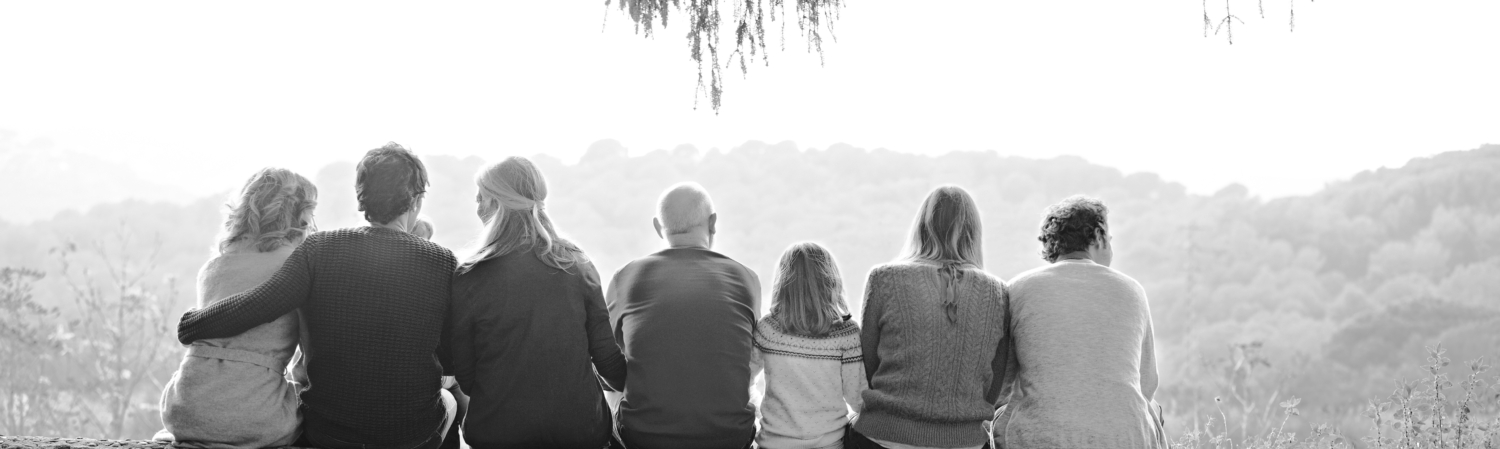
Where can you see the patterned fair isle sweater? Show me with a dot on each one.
(812, 384)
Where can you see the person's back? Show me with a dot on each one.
(1080, 329)
(230, 392)
(933, 335)
(524, 333)
(1084, 365)
(931, 375)
(529, 326)
(685, 318)
(811, 384)
(375, 331)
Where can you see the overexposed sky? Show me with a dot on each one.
(197, 94)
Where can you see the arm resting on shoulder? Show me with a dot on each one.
(286, 291)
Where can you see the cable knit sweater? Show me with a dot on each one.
(375, 301)
(811, 384)
(934, 366)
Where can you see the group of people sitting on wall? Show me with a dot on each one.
(374, 337)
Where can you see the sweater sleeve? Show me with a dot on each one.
(1003, 367)
(445, 340)
(1148, 358)
(852, 368)
(287, 290)
(461, 340)
(869, 333)
(603, 348)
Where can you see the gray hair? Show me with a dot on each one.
(683, 207)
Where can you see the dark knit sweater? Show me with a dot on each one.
(375, 301)
(527, 339)
(685, 319)
(933, 380)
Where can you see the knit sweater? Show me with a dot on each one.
(375, 301)
(934, 375)
(811, 384)
(685, 320)
(527, 339)
(1086, 360)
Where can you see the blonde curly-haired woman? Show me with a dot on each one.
(231, 392)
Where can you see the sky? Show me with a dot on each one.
(198, 94)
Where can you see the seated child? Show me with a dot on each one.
(811, 354)
(423, 229)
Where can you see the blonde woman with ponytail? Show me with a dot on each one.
(230, 392)
(529, 325)
(933, 335)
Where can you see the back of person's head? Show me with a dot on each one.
(512, 201)
(423, 228)
(1072, 225)
(947, 229)
(808, 296)
(683, 208)
(388, 182)
(274, 208)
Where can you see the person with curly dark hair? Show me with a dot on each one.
(375, 300)
(1084, 345)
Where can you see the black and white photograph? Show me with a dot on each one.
(737, 224)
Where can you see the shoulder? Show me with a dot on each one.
(1020, 281)
(846, 331)
(735, 265)
(899, 269)
(1126, 282)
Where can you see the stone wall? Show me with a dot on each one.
(14, 442)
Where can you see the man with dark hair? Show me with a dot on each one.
(374, 299)
(1072, 226)
(1084, 346)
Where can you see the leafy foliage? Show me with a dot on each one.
(814, 19)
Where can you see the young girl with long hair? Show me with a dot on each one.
(809, 348)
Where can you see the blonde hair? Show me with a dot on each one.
(521, 220)
(808, 295)
(947, 231)
(273, 208)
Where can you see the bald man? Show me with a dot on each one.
(684, 318)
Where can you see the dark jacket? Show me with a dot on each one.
(527, 339)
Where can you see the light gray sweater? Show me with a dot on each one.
(230, 392)
(934, 365)
(1085, 360)
(809, 381)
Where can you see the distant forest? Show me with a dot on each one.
(1329, 297)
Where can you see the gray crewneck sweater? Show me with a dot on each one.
(934, 375)
(1086, 361)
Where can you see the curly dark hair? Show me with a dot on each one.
(1072, 225)
(388, 182)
